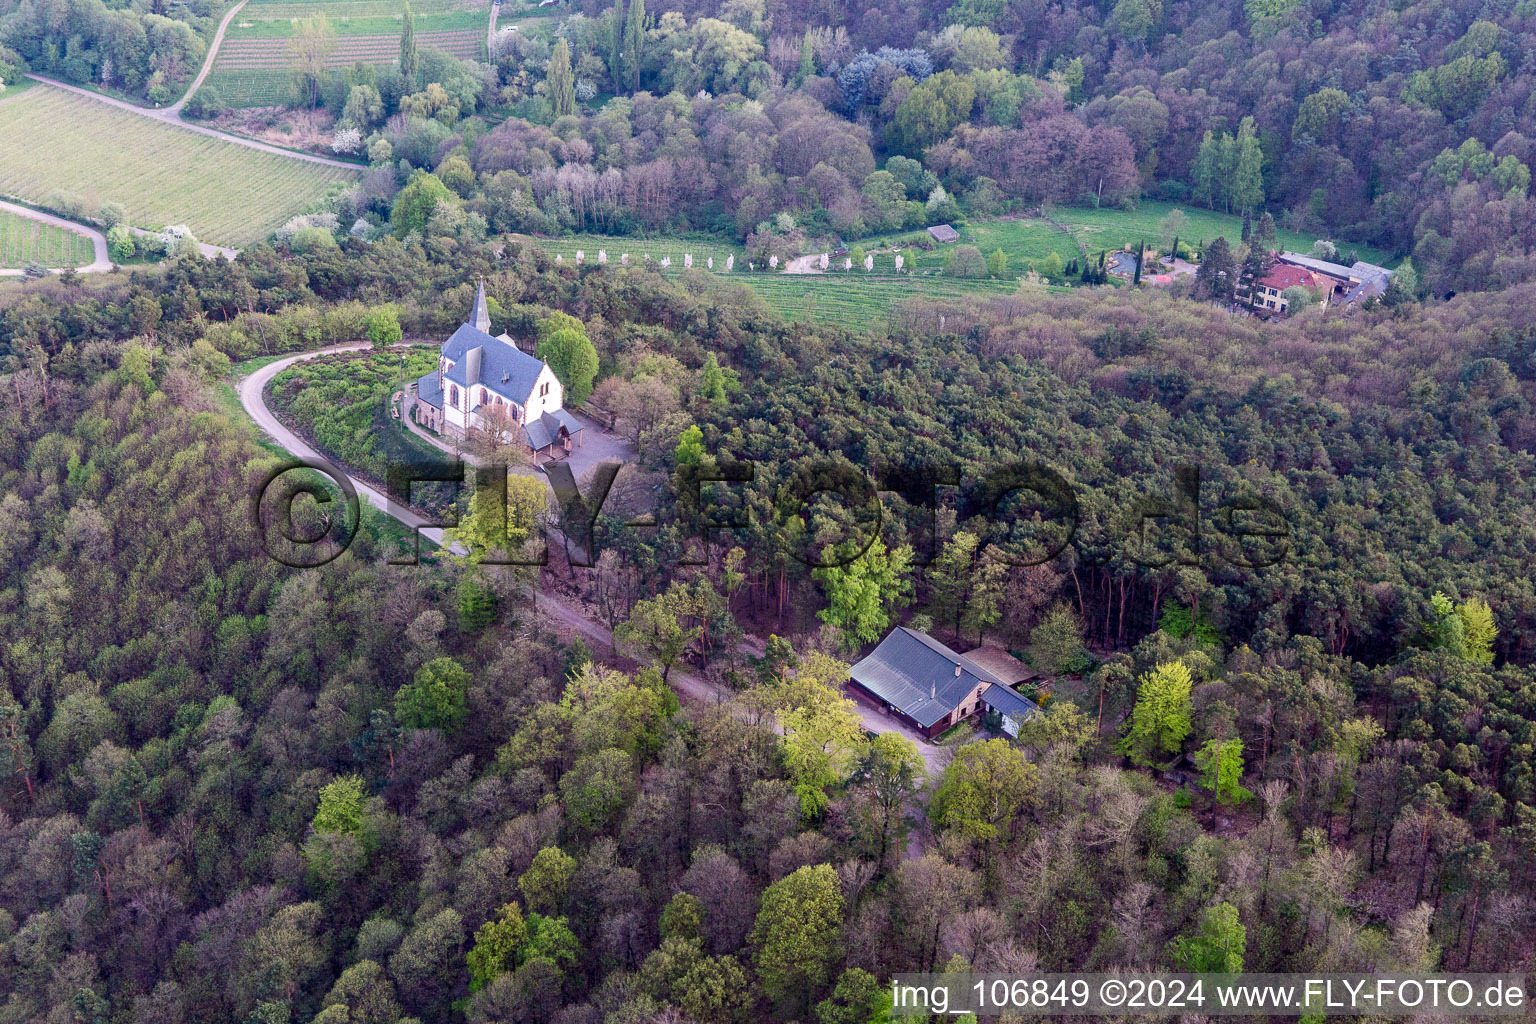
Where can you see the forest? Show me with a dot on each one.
(372, 792)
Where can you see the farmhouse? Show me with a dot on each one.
(943, 233)
(1267, 289)
(488, 383)
(919, 680)
(1334, 282)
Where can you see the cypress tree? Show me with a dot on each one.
(408, 63)
(560, 82)
(1141, 248)
(634, 43)
(616, 47)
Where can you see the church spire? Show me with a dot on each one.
(482, 315)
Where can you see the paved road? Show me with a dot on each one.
(166, 115)
(213, 51)
(553, 609)
(103, 261)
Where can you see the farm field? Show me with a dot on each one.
(254, 66)
(52, 140)
(24, 241)
(852, 299)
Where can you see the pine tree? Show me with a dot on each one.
(559, 81)
(1247, 225)
(408, 62)
(634, 43)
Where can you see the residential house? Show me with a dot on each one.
(915, 678)
(1267, 289)
(1334, 282)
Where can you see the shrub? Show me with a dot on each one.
(205, 103)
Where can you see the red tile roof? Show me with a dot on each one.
(1284, 276)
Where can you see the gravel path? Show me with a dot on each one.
(171, 116)
(213, 51)
(101, 264)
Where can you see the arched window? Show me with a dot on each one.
(453, 395)
(485, 397)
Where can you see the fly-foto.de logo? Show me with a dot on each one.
(1025, 513)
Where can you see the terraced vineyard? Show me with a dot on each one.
(226, 193)
(254, 67)
(24, 241)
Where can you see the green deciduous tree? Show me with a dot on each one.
(862, 594)
(416, 203)
(1056, 644)
(573, 360)
(436, 698)
(1221, 771)
(982, 791)
(655, 628)
(1161, 718)
(560, 81)
(496, 946)
(1217, 947)
(383, 326)
(798, 933)
(889, 772)
(547, 880)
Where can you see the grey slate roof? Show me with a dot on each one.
(1321, 266)
(428, 391)
(915, 674)
(504, 368)
(546, 429)
(1007, 702)
(943, 233)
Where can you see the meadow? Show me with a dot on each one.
(52, 140)
(1033, 239)
(855, 299)
(24, 241)
(254, 66)
(1029, 240)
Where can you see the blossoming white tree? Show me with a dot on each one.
(580, 255)
(899, 263)
(773, 263)
(730, 262)
(688, 259)
(869, 263)
(825, 259)
(602, 256)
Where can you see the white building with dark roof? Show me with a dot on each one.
(488, 383)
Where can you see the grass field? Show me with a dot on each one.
(1028, 240)
(24, 241)
(1031, 239)
(254, 66)
(226, 193)
(855, 299)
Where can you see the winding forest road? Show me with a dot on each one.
(688, 685)
(102, 262)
